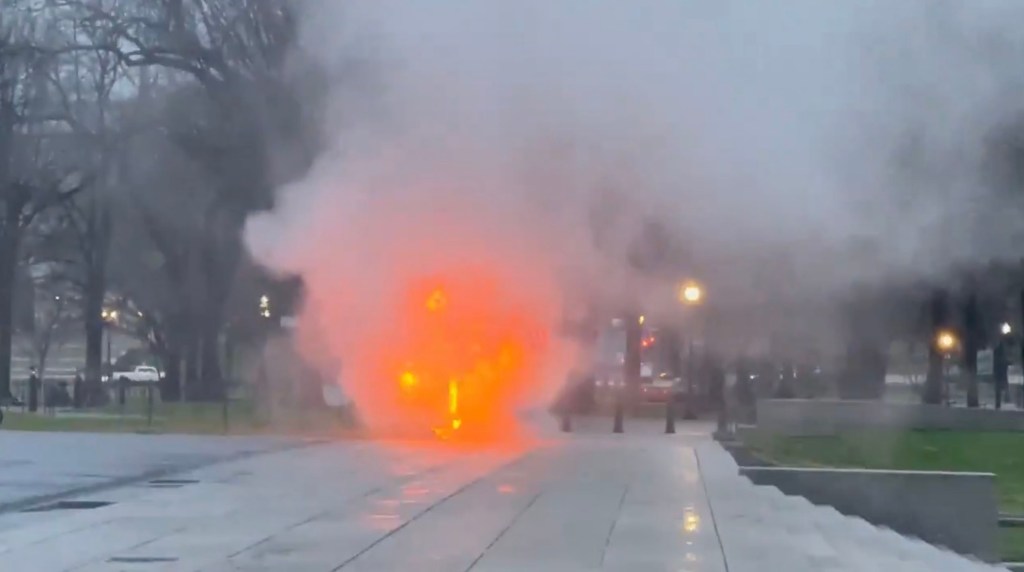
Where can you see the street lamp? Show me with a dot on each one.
(690, 293)
(109, 318)
(946, 341)
(1000, 363)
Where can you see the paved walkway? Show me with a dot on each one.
(594, 501)
(35, 465)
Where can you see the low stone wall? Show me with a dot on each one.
(830, 416)
(955, 510)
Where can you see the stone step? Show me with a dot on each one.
(824, 533)
(765, 529)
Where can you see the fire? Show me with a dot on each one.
(436, 301)
(408, 380)
(453, 398)
(461, 352)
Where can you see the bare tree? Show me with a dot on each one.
(155, 254)
(33, 175)
(52, 316)
(234, 53)
(99, 102)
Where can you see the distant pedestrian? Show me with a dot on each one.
(33, 390)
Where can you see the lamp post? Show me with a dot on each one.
(934, 385)
(689, 294)
(1000, 363)
(1020, 391)
(970, 345)
(262, 383)
(109, 318)
(945, 343)
(631, 365)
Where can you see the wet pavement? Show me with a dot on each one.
(589, 501)
(37, 465)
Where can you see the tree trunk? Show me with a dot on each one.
(970, 358)
(93, 322)
(863, 373)
(934, 379)
(192, 371)
(1000, 365)
(98, 225)
(41, 368)
(218, 263)
(170, 346)
(8, 265)
(170, 385)
(863, 376)
(213, 381)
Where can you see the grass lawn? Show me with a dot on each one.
(195, 418)
(999, 453)
(1011, 544)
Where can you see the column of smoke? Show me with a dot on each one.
(469, 140)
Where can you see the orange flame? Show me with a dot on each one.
(461, 356)
(437, 300)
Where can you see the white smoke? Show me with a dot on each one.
(843, 139)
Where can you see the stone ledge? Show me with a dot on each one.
(954, 510)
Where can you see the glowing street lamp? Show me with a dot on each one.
(690, 293)
(109, 316)
(1000, 363)
(946, 341)
(265, 306)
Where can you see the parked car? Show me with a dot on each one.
(659, 390)
(141, 374)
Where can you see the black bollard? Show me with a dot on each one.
(670, 416)
(617, 428)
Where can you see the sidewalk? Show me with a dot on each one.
(39, 465)
(592, 501)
